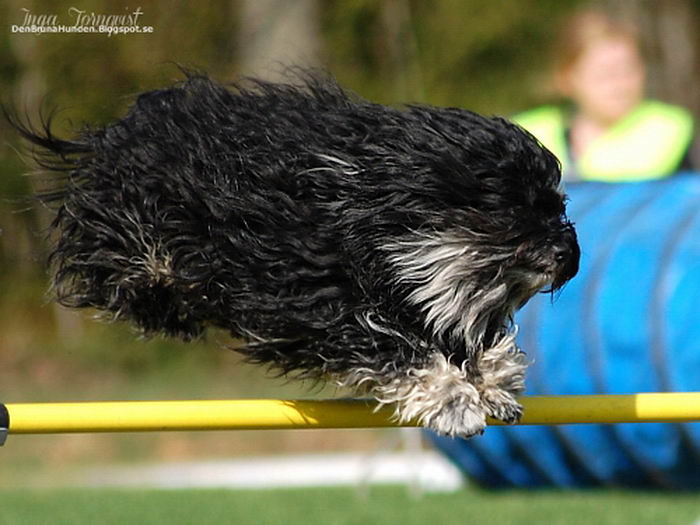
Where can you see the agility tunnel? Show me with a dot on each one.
(628, 322)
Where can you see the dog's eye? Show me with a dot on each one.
(550, 203)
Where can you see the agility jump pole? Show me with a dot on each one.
(259, 414)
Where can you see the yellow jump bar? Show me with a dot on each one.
(249, 414)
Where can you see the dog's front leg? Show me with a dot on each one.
(451, 398)
(437, 394)
(501, 371)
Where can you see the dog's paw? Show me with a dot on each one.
(456, 419)
(502, 379)
(501, 405)
(439, 396)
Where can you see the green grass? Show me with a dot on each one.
(386, 505)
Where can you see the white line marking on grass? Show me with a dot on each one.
(428, 470)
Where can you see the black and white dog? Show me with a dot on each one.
(385, 249)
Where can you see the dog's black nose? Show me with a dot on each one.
(566, 254)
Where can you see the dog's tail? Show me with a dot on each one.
(105, 251)
(50, 153)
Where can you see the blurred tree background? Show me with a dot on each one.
(490, 57)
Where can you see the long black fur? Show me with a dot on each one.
(265, 209)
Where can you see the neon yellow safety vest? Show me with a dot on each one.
(648, 143)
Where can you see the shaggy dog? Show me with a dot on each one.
(383, 248)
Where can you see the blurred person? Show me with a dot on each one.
(607, 131)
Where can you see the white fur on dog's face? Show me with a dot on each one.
(446, 274)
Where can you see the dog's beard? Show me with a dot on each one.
(465, 293)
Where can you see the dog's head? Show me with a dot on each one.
(494, 228)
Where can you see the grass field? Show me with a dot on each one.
(385, 505)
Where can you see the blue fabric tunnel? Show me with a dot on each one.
(628, 322)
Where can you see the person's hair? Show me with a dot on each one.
(585, 27)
